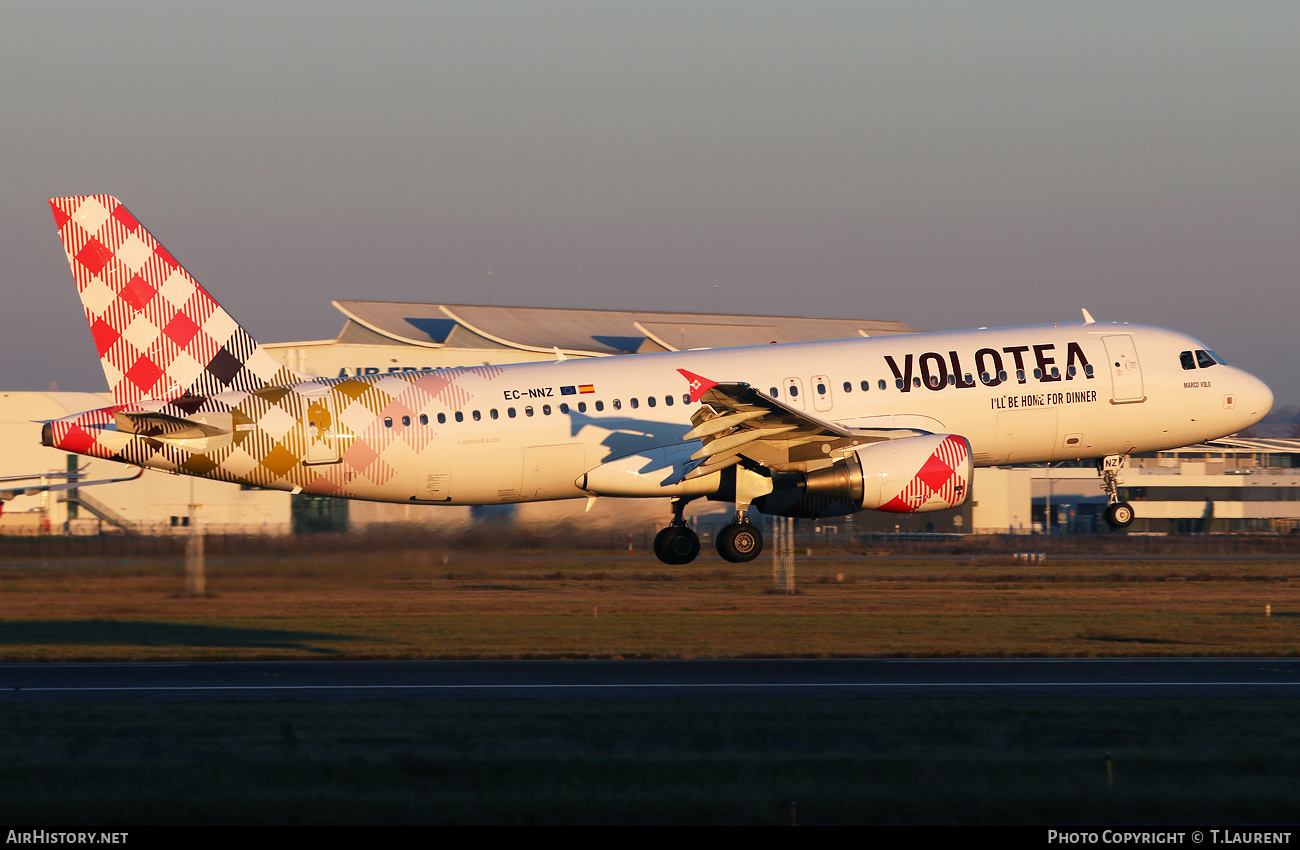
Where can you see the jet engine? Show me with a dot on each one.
(910, 475)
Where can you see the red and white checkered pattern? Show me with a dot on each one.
(159, 334)
(942, 482)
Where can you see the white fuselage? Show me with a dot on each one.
(540, 431)
(515, 441)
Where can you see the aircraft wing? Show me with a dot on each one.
(736, 421)
(8, 493)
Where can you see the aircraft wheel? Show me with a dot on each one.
(1119, 515)
(677, 544)
(740, 542)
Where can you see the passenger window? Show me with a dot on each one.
(821, 389)
(1020, 375)
(510, 411)
(1002, 376)
(916, 383)
(1188, 361)
(650, 401)
(406, 420)
(1072, 371)
(668, 400)
(884, 386)
(794, 391)
(899, 383)
(528, 411)
(582, 407)
(442, 419)
(1087, 370)
(952, 380)
(600, 405)
(618, 405)
(635, 404)
(1203, 359)
(772, 392)
(477, 416)
(494, 413)
(866, 385)
(686, 398)
(564, 408)
(388, 422)
(424, 419)
(984, 377)
(546, 409)
(460, 417)
(848, 386)
(1038, 374)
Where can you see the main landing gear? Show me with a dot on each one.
(677, 544)
(1118, 514)
(737, 542)
(740, 541)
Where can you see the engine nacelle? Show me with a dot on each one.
(912, 475)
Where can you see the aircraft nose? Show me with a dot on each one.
(1254, 398)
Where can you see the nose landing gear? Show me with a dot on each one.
(1118, 514)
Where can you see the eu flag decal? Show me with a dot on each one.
(568, 390)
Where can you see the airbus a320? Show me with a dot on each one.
(816, 429)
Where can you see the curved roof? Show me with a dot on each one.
(591, 332)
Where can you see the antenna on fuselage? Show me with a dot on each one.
(1087, 317)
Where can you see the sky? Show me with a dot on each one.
(946, 164)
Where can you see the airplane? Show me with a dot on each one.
(41, 483)
(814, 429)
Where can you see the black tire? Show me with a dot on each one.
(740, 542)
(676, 545)
(1119, 515)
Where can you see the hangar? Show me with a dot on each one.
(382, 336)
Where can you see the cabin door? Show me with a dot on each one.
(321, 430)
(1125, 371)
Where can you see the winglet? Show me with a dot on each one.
(1087, 317)
(699, 385)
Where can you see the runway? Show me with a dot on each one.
(846, 678)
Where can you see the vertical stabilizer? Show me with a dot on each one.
(159, 334)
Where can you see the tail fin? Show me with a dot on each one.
(159, 334)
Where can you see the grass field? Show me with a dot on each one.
(398, 604)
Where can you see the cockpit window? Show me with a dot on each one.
(1203, 359)
(1188, 361)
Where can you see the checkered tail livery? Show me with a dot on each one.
(159, 334)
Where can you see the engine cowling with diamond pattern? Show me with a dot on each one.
(911, 475)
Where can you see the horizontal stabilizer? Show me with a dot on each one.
(165, 427)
